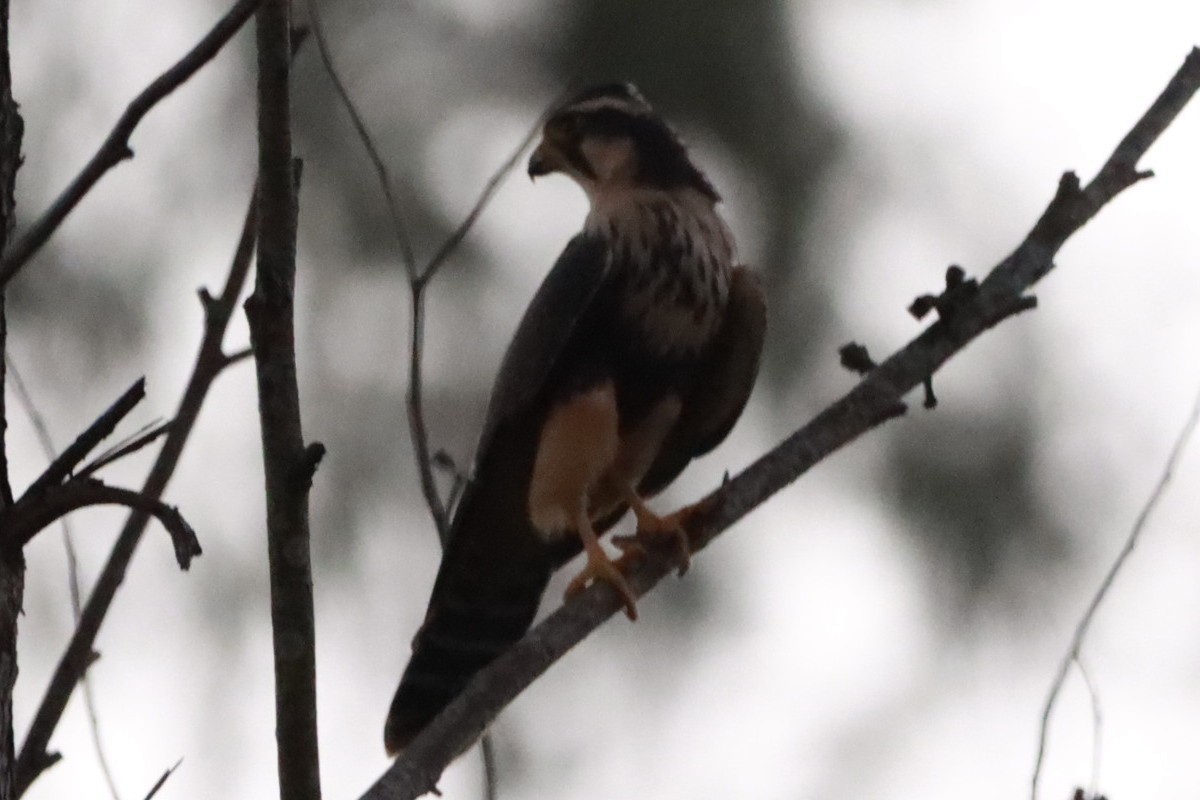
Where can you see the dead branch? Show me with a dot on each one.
(73, 583)
(876, 398)
(86, 442)
(30, 516)
(115, 148)
(288, 464)
(211, 361)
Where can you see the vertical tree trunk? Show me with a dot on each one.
(288, 464)
(12, 587)
(12, 563)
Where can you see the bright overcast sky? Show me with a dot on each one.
(960, 117)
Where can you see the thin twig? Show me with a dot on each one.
(417, 285)
(87, 441)
(485, 197)
(439, 509)
(12, 565)
(144, 437)
(162, 780)
(287, 463)
(418, 430)
(30, 516)
(115, 148)
(1085, 622)
(73, 586)
(210, 362)
(399, 229)
(1097, 725)
(875, 399)
(418, 279)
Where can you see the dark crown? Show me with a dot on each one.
(662, 157)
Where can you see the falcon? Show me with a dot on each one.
(636, 355)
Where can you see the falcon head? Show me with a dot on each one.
(609, 138)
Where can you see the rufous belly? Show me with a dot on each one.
(585, 460)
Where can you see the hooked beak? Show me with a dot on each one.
(542, 161)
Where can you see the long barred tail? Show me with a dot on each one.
(486, 595)
(462, 634)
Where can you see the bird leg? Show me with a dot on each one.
(599, 567)
(652, 529)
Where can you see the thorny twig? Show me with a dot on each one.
(115, 148)
(874, 400)
(1085, 622)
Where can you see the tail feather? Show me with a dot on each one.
(490, 583)
(456, 641)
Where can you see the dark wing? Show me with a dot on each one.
(545, 329)
(722, 385)
(496, 565)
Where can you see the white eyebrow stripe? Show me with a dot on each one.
(618, 103)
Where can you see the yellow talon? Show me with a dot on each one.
(652, 529)
(601, 568)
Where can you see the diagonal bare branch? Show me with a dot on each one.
(485, 197)
(47, 443)
(144, 437)
(87, 441)
(162, 780)
(211, 361)
(876, 398)
(115, 148)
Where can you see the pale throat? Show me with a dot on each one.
(677, 255)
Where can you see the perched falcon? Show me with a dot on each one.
(636, 355)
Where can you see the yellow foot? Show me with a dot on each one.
(600, 567)
(654, 531)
